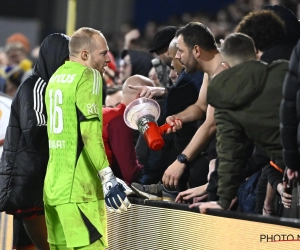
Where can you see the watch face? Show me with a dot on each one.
(182, 158)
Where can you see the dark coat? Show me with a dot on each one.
(183, 94)
(290, 113)
(283, 48)
(246, 100)
(25, 153)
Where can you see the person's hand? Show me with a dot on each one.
(190, 193)
(172, 174)
(209, 205)
(174, 122)
(115, 191)
(200, 198)
(132, 35)
(129, 36)
(196, 204)
(291, 174)
(286, 198)
(148, 92)
(144, 91)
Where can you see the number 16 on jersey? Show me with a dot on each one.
(56, 113)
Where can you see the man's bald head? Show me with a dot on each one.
(175, 64)
(137, 80)
(173, 44)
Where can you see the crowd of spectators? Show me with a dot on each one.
(220, 146)
(221, 23)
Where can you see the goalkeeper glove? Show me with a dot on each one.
(115, 191)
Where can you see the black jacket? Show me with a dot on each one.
(290, 113)
(283, 49)
(25, 153)
(246, 99)
(184, 93)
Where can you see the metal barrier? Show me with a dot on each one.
(150, 225)
(154, 225)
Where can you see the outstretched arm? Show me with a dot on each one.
(202, 137)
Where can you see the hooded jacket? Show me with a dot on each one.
(283, 48)
(246, 99)
(25, 152)
(140, 61)
(290, 113)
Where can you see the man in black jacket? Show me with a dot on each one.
(25, 153)
(290, 119)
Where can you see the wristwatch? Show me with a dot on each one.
(182, 158)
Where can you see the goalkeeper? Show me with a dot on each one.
(73, 195)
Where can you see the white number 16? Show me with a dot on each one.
(56, 115)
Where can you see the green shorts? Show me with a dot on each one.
(76, 224)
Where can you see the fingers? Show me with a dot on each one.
(188, 196)
(146, 93)
(117, 200)
(170, 182)
(291, 174)
(111, 205)
(110, 209)
(286, 200)
(169, 130)
(143, 93)
(286, 203)
(134, 87)
(166, 180)
(208, 205)
(127, 203)
(170, 120)
(175, 183)
(177, 125)
(183, 196)
(203, 209)
(117, 205)
(123, 205)
(286, 196)
(201, 198)
(174, 123)
(197, 204)
(179, 197)
(172, 174)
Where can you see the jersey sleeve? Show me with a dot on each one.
(89, 94)
(89, 103)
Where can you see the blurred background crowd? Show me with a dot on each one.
(20, 39)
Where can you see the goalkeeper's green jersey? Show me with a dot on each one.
(74, 108)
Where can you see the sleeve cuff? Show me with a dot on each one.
(224, 203)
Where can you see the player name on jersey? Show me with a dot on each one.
(57, 144)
